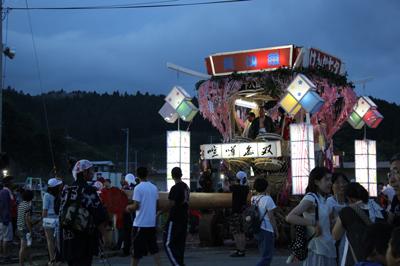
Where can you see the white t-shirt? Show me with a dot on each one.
(147, 194)
(389, 192)
(331, 202)
(264, 205)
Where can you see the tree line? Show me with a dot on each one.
(88, 125)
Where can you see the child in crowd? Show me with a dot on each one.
(321, 248)
(25, 226)
(265, 239)
(393, 252)
(375, 244)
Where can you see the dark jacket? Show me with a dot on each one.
(255, 126)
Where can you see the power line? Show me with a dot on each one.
(40, 82)
(127, 6)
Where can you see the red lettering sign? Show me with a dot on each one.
(251, 60)
(318, 57)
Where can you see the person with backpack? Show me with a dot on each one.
(80, 207)
(239, 200)
(355, 219)
(314, 209)
(265, 238)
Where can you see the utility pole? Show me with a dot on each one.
(126, 130)
(135, 161)
(1, 75)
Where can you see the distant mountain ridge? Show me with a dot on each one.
(88, 125)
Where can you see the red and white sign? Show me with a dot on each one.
(251, 60)
(321, 58)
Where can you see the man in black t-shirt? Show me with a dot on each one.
(176, 226)
(239, 201)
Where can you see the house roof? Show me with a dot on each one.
(109, 163)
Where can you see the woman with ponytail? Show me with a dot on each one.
(239, 200)
(354, 221)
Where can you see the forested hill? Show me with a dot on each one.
(88, 125)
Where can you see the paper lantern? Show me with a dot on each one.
(177, 96)
(186, 110)
(299, 86)
(168, 113)
(302, 156)
(311, 102)
(301, 93)
(290, 104)
(372, 118)
(365, 164)
(356, 121)
(363, 105)
(365, 112)
(178, 155)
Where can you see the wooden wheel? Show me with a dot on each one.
(211, 229)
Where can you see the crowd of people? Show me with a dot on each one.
(346, 225)
(340, 215)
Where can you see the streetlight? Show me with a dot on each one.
(126, 130)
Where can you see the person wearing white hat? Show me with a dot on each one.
(76, 247)
(49, 218)
(239, 200)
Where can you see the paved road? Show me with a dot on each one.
(206, 257)
(196, 255)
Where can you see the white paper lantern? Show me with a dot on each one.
(178, 155)
(168, 113)
(365, 164)
(302, 156)
(177, 96)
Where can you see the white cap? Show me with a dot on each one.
(54, 182)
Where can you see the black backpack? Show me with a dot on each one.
(75, 216)
(251, 218)
(299, 244)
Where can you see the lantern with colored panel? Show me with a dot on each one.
(186, 110)
(178, 103)
(301, 93)
(302, 156)
(372, 118)
(356, 121)
(311, 102)
(365, 164)
(365, 113)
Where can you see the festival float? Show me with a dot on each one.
(308, 83)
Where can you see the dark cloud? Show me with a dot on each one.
(127, 50)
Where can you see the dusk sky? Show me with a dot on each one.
(106, 50)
